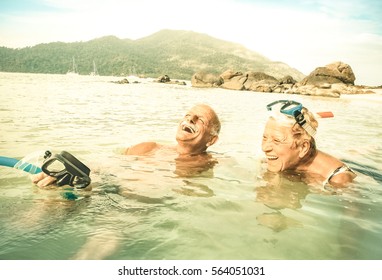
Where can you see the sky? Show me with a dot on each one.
(303, 34)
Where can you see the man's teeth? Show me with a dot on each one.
(188, 128)
(272, 157)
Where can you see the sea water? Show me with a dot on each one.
(146, 208)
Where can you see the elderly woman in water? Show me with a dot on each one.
(289, 145)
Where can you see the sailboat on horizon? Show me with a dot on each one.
(74, 70)
(94, 72)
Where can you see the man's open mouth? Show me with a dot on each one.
(188, 127)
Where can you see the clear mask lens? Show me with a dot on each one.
(55, 167)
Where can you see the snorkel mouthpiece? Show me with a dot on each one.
(67, 169)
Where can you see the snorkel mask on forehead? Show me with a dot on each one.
(293, 109)
(67, 169)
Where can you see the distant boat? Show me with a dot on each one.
(74, 70)
(95, 72)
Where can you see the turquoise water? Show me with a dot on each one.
(150, 207)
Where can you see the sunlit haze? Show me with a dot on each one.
(303, 34)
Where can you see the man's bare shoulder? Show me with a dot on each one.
(143, 148)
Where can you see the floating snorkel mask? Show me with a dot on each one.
(67, 169)
(293, 109)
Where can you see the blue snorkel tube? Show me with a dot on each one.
(66, 168)
(15, 163)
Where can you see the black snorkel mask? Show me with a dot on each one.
(67, 169)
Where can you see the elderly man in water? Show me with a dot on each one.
(289, 145)
(198, 130)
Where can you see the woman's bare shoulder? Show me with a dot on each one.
(338, 174)
(342, 179)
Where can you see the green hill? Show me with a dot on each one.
(179, 54)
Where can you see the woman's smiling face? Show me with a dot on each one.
(278, 146)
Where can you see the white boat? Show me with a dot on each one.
(74, 70)
(95, 72)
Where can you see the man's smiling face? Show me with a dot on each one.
(195, 127)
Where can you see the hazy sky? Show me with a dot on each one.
(303, 34)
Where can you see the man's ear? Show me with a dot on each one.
(304, 148)
(212, 141)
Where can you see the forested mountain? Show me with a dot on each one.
(178, 54)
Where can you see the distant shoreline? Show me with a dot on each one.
(105, 78)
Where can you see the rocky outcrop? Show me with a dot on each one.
(166, 80)
(287, 80)
(254, 81)
(206, 80)
(233, 80)
(313, 90)
(331, 80)
(334, 73)
(123, 81)
(261, 82)
(163, 79)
